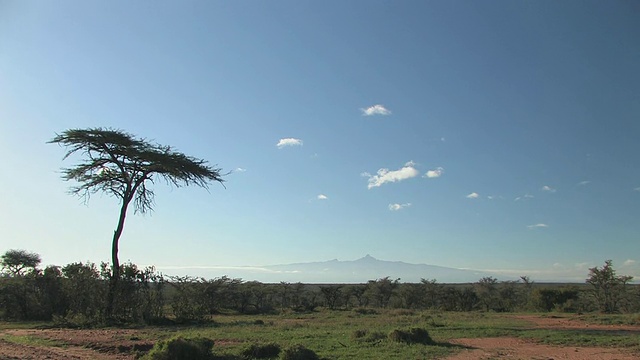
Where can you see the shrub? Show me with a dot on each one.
(180, 348)
(367, 336)
(412, 336)
(365, 311)
(261, 351)
(299, 352)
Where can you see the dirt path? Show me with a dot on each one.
(103, 344)
(515, 348)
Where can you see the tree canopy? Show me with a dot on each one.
(16, 261)
(120, 164)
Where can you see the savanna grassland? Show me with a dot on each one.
(66, 313)
(351, 334)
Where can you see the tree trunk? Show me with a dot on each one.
(115, 269)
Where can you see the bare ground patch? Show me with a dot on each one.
(77, 344)
(516, 348)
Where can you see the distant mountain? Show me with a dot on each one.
(335, 271)
(370, 268)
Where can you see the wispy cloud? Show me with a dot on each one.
(385, 175)
(322, 197)
(581, 265)
(537, 226)
(548, 188)
(396, 207)
(629, 262)
(473, 195)
(637, 189)
(523, 197)
(583, 183)
(375, 110)
(239, 170)
(289, 142)
(435, 173)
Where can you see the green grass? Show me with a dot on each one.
(331, 333)
(32, 341)
(586, 338)
(612, 319)
(23, 325)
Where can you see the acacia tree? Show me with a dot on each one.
(123, 166)
(16, 261)
(608, 288)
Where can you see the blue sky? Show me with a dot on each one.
(496, 135)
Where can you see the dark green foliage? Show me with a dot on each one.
(381, 291)
(86, 292)
(332, 296)
(554, 299)
(189, 301)
(411, 336)
(299, 352)
(139, 294)
(608, 289)
(261, 351)
(181, 348)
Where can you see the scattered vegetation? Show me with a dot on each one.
(261, 351)
(182, 348)
(411, 336)
(299, 352)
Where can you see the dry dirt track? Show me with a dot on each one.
(117, 344)
(103, 344)
(515, 348)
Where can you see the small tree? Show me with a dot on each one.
(17, 261)
(608, 288)
(487, 291)
(121, 165)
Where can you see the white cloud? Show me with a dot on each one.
(523, 197)
(375, 110)
(637, 189)
(240, 170)
(289, 142)
(473, 195)
(537, 226)
(384, 175)
(548, 188)
(322, 197)
(583, 183)
(396, 207)
(628, 262)
(581, 266)
(435, 173)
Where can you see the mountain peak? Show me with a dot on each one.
(367, 258)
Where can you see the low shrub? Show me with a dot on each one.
(412, 336)
(261, 351)
(367, 336)
(180, 348)
(299, 352)
(365, 311)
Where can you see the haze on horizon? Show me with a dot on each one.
(498, 136)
